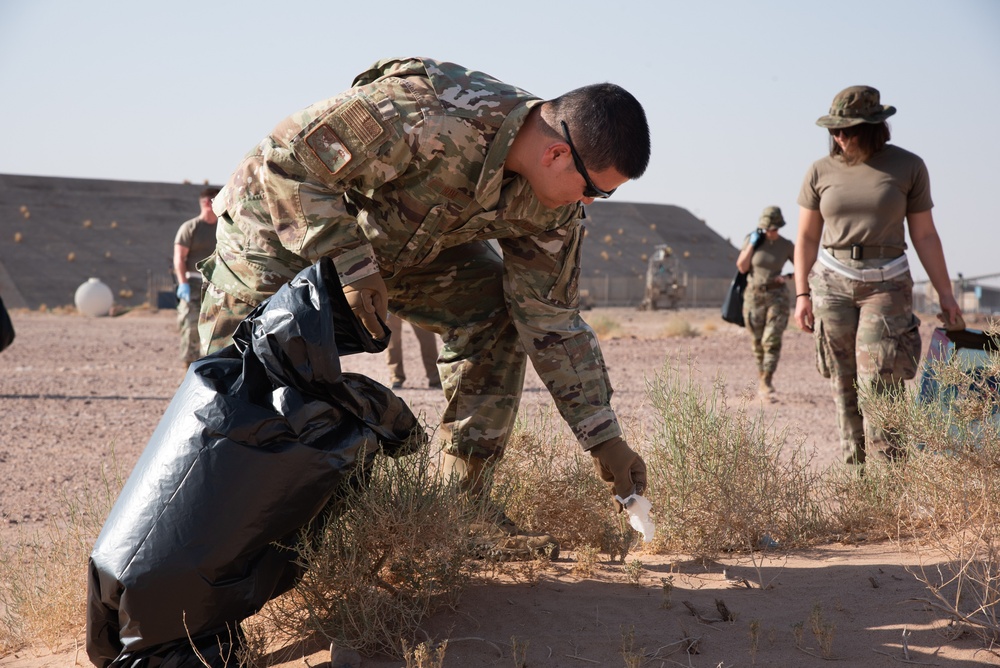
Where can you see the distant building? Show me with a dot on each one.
(621, 238)
(55, 233)
(974, 295)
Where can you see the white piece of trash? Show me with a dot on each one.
(637, 507)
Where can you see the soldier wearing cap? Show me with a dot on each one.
(858, 298)
(766, 300)
(406, 180)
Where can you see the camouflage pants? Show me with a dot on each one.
(187, 324)
(460, 297)
(394, 353)
(766, 315)
(866, 336)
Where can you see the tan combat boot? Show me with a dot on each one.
(765, 388)
(496, 535)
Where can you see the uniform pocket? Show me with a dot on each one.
(824, 355)
(908, 347)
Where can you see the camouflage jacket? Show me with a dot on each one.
(387, 174)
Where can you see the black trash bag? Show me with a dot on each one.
(732, 307)
(6, 327)
(256, 442)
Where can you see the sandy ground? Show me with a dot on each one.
(78, 393)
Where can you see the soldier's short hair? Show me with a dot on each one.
(608, 126)
(210, 192)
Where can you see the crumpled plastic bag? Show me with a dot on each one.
(256, 442)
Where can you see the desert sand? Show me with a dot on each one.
(77, 394)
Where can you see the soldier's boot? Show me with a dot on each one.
(766, 388)
(496, 535)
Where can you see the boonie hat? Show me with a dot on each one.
(854, 106)
(771, 218)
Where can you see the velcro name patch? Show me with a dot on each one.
(327, 146)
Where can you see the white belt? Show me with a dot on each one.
(897, 267)
(194, 275)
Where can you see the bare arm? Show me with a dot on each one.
(927, 243)
(180, 263)
(806, 250)
(743, 261)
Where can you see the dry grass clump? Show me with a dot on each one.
(947, 489)
(724, 479)
(548, 484)
(605, 327)
(678, 327)
(396, 549)
(43, 586)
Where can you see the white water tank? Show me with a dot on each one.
(94, 298)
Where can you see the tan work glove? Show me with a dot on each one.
(368, 297)
(620, 466)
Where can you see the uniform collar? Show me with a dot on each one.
(491, 179)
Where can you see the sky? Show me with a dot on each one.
(181, 90)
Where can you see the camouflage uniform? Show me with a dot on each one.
(404, 175)
(866, 335)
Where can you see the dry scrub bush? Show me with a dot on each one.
(395, 550)
(949, 486)
(863, 507)
(677, 327)
(605, 327)
(549, 485)
(43, 575)
(723, 479)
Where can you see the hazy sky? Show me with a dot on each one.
(180, 90)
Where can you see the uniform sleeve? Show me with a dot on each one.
(919, 197)
(184, 236)
(304, 183)
(541, 281)
(809, 195)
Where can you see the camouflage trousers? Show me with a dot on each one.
(765, 313)
(394, 352)
(187, 324)
(866, 337)
(460, 297)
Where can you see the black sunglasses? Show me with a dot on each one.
(591, 190)
(845, 132)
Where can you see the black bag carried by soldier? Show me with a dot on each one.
(6, 327)
(258, 440)
(732, 307)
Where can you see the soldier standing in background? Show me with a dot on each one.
(195, 241)
(404, 179)
(766, 301)
(394, 353)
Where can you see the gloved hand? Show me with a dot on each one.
(184, 291)
(367, 297)
(757, 238)
(620, 467)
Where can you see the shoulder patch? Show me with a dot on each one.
(357, 117)
(327, 146)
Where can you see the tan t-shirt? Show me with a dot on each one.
(867, 203)
(767, 261)
(198, 236)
